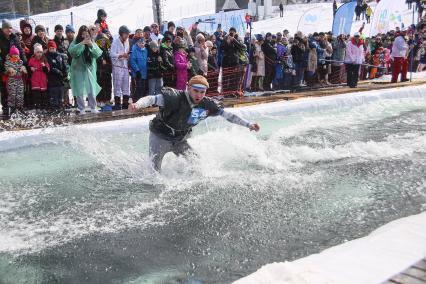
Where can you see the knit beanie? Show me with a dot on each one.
(39, 28)
(6, 24)
(13, 51)
(52, 44)
(69, 29)
(199, 81)
(153, 44)
(38, 47)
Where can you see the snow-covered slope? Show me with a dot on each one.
(323, 11)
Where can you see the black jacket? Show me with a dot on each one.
(298, 53)
(60, 43)
(167, 57)
(6, 44)
(58, 69)
(231, 52)
(154, 66)
(269, 51)
(176, 118)
(42, 41)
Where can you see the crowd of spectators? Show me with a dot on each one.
(89, 66)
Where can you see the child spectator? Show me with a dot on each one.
(15, 84)
(39, 68)
(27, 36)
(377, 61)
(101, 23)
(104, 72)
(155, 77)
(39, 38)
(59, 39)
(56, 75)
(139, 64)
(182, 65)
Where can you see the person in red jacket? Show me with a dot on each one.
(39, 67)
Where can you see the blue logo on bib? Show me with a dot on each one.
(197, 115)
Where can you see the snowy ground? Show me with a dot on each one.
(372, 259)
(324, 11)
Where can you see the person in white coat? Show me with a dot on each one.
(120, 71)
(400, 58)
(353, 59)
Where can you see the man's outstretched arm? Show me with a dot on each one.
(147, 102)
(235, 119)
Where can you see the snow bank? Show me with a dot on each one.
(372, 259)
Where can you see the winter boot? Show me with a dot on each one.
(126, 102)
(117, 103)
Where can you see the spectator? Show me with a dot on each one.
(56, 75)
(27, 35)
(194, 31)
(170, 31)
(39, 68)
(182, 65)
(399, 55)
(101, 23)
(202, 53)
(69, 33)
(139, 64)
(137, 36)
(14, 70)
(338, 57)
(59, 39)
(281, 10)
(369, 13)
(83, 69)
(195, 67)
(120, 72)
(155, 33)
(298, 53)
(39, 38)
(147, 34)
(7, 39)
(155, 77)
(259, 71)
(270, 58)
(166, 51)
(354, 57)
(231, 49)
(103, 74)
(334, 7)
(247, 18)
(358, 11)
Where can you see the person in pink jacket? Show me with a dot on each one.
(353, 59)
(182, 65)
(39, 68)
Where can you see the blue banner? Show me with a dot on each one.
(342, 23)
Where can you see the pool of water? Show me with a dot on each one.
(80, 205)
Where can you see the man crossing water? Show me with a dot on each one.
(179, 112)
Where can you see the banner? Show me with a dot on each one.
(313, 19)
(387, 16)
(343, 19)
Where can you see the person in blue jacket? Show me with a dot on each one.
(139, 64)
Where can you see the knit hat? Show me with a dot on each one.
(51, 44)
(38, 48)
(6, 24)
(39, 28)
(153, 44)
(69, 29)
(199, 82)
(59, 28)
(170, 24)
(13, 51)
